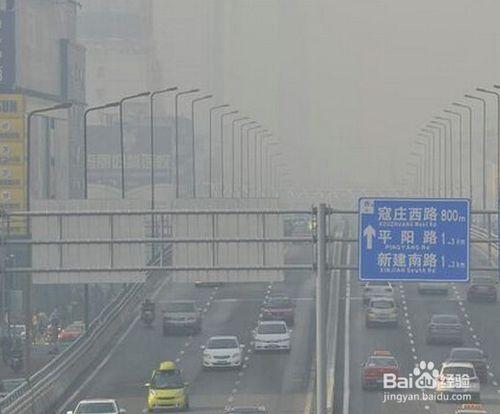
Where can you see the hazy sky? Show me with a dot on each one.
(344, 84)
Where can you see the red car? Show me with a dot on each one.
(378, 364)
(279, 308)
(71, 332)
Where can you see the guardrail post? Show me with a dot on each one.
(320, 312)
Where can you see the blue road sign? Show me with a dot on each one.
(414, 239)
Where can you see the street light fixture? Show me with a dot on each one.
(233, 163)
(483, 101)
(450, 135)
(211, 110)
(29, 282)
(193, 146)
(469, 111)
(241, 153)
(460, 145)
(122, 144)
(261, 162)
(257, 142)
(222, 117)
(176, 120)
(85, 141)
(442, 139)
(248, 156)
(152, 141)
(430, 158)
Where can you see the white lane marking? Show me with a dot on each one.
(112, 351)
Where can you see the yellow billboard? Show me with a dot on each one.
(13, 159)
(12, 153)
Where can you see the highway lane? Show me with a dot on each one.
(482, 322)
(270, 379)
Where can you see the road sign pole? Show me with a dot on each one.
(320, 314)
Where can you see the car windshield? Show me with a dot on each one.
(180, 307)
(226, 343)
(466, 354)
(272, 329)
(445, 319)
(459, 371)
(170, 379)
(96, 408)
(382, 304)
(381, 362)
(280, 303)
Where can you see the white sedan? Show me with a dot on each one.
(272, 336)
(223, 351)
(97, 406)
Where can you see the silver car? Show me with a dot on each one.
(382, 311)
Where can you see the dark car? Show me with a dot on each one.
(445, 329)
(279, 308)
(473, 355)
(482, 289)
(181, 316)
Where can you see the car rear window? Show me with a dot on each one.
(382, 304)
(467, 354)
(280, 303)
(96, 408)
(459, 371)
(222, 344)
(381, 362)
(180, 307)
(448, 319)
(272, 329)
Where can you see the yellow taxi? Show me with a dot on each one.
(167, 390)
(471, 409)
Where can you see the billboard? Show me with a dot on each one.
(13, 159)
(7, 46)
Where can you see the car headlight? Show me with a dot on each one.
(236, 355)
(152, 393)
(207, 355)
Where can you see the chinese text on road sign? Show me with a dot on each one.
(414, 239)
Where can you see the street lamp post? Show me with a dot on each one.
(271, 176)
(432, 133)
(248, 157)
(85, 142)
(257, 143)
(420, 171)
(266, 162)
(211, 110)
(193, 143)
(176, 120)
(425, 159)
(469, 111)
(233, 155)
(241, 153)
(483, 101)
(261, 161)
(122, 144)
(450, 136)
(442, 176)
(28, 311)
(460, 145)
(152, 140)
(222, 117)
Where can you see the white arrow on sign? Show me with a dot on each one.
(369, 233)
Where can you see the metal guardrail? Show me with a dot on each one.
(48, 385)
